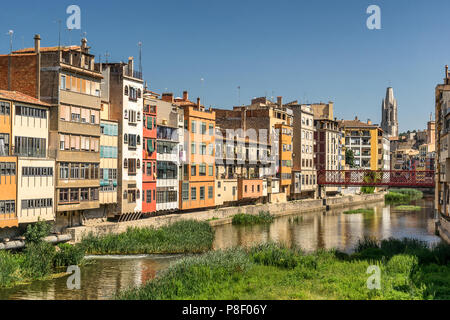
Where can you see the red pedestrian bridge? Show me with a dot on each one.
(380, 178)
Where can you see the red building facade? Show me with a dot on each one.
(149, 159)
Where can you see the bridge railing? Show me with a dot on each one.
(392, 178)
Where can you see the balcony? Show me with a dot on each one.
(133, 73)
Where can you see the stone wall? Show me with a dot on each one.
(224, 214)
(444, 229)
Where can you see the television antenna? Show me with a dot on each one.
(11, 33)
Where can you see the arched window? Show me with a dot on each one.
(125, 194)
(139, 93)
(138, 140)
(125, 163)
(126, 90)
(125, 138)
(138, 165)
(138, 194)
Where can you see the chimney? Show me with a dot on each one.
(84, 45)
(167, 97)
(37, 43)
(369, 122)
(130, 66)
(198, 102)
(280, 101)
(356, 118)
(185, 96)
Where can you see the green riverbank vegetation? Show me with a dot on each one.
(264, 217)
(181, 237)
(402, 196)
(39, 260)
(409, 270)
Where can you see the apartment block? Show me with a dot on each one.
(125, 87)
(108, 166)
(362, 139)
(267, 124)
(149, 156)
(442, 127)
(66, 78)
(198, 184)
(304, 179)
(170, 152)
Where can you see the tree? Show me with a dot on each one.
(350, 158)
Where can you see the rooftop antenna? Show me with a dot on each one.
(202, 80)
(140, 57)
(239, 95)
(11, 33)
(107, 55)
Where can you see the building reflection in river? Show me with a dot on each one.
(333, 229)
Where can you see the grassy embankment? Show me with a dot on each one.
(249, 219)
(409, 270)
(402, 198)
(41, 260)
(180, 237)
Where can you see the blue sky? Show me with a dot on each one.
(310, 51)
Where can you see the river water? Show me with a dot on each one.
(103, 276)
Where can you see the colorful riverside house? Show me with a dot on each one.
(198, 182)
(149, 156)
(125, 87)
(27, 174)
(68, 80)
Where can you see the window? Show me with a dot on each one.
(84, 194)
(203, 128)
(74, 195)
(63, 195)
(193, 170)
(202, 170)
(202, 193)
(194, 127)
(211, 129)
(210, 192)
(203, 149)
(148, 197)
(4, 144)
(63, 82)
(5, 108)
(211, 170)
(75, 171)
(132, 141)
(29, 147)
(126, 90)
(193, 151)
(64, 170)
(185, 191)
(132, 166)
(193, 193)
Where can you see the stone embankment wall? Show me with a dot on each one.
(225, 214)
(444, 229)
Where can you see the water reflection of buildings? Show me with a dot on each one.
(329, 230)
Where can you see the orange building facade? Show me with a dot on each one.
(285, 171)
(8, 170)
(198, 177)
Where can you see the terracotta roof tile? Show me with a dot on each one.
(20, 97)
(47, 49)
